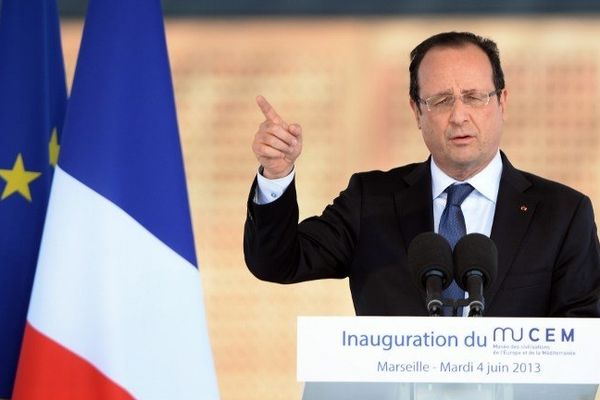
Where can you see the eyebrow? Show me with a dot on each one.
(471, 91)
(451, 92)
(443, 93)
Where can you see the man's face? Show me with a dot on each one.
(462, 140)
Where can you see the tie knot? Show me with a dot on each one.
(457, 193)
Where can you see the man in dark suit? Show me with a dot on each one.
(548, 251)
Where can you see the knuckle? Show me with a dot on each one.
(271, 141)
(265, 126)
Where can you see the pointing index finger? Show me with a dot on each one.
(268, 110)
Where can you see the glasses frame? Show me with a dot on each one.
(430, 109)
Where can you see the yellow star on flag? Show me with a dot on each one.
(18, 179)
(53, 148)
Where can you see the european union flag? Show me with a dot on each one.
(32, 106)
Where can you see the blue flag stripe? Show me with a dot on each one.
(120, 135)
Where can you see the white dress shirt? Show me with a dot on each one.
(479, 206)
(268, 190)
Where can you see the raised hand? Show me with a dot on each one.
(276, 144)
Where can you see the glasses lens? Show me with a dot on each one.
(445, 102)
(475, 99)
(440, 102)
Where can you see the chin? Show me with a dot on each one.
(467, 165)
(464, 160)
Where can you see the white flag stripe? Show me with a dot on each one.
(144, 326)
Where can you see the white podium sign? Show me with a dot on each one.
(468, 350)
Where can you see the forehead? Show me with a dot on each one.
(465, 67)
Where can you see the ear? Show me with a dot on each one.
(503, 102)
(416, 111)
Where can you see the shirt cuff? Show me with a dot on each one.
(269, 190)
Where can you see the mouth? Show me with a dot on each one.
(462, 139)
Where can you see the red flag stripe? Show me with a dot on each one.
(48, 370)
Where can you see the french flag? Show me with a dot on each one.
(117, 310)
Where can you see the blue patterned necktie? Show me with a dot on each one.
(452, 227)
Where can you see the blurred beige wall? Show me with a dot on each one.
(346, 82)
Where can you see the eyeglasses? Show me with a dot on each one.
(444, 102)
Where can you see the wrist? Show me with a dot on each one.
(275, 175)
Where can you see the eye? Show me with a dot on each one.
(475, 99)
(441, 100)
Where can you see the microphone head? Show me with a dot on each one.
(430, 254)
(475, 254)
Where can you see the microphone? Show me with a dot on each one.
(475, 268)
(430, 259)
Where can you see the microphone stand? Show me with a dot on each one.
(434, 300)
(475, 305)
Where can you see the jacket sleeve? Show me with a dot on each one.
(576, 276)
(278, 249)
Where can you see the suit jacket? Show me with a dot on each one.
(548, 250)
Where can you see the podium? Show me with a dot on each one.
(446, 391)
(420, 358)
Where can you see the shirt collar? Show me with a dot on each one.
(486, 182)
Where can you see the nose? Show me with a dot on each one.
(459, 112)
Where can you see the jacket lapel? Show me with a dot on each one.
(414, 204)
(514, 211)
